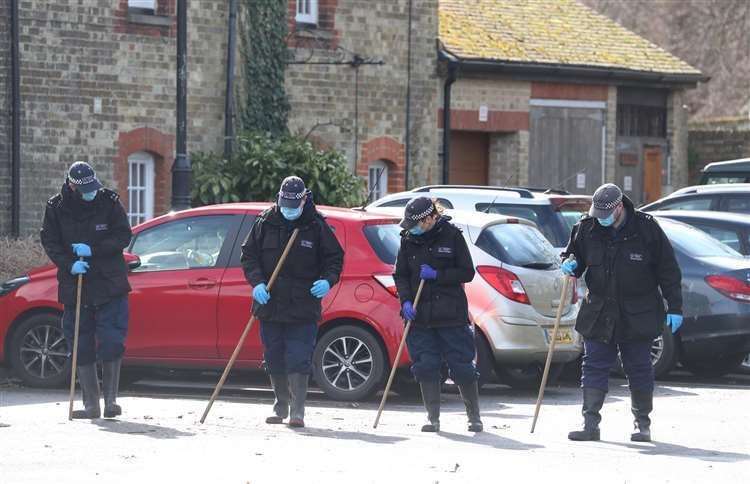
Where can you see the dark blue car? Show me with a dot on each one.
(715, 336)
(732, 229)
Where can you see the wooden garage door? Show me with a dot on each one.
(469, 158)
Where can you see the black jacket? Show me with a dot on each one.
(629, 272)
(443, 300)
(103, 225)
(316, 254)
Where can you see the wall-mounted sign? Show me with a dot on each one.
(628, 184)
(483, 113)
(581, 180)
(628, 159)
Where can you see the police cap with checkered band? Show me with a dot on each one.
(417, 209)
(605, 200)
(83, 177)
(291, 192)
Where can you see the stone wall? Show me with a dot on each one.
(75, 55)
(717, 141)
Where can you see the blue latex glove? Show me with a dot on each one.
(569, 267)
(427, 273)
(79, 267)
(82, 250)
(408, 311)
(674, 321)
(260, 294)
(320, 288)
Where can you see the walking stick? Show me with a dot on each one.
(74, 363)
(548, 363)
(249, 325)
(398, 356)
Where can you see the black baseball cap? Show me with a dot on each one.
(83, 177)
(605, 200)
(291, 192)
(417, 209)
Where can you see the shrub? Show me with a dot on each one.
(260, 162)
(18, 256)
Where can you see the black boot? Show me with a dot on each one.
(470, 394)
(641, 402)
(280, 384)
(593, 400)
(89, 381)
(110, 386)
(431, 399)
(298, 394)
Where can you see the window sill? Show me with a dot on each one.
(137, 16)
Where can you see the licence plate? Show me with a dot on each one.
(564, 336)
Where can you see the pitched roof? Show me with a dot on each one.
(559, 32)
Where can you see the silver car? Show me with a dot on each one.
(513, 299)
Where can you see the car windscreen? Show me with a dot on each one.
(694, 242)
(518, 245)
(385, 239)
(549, 221)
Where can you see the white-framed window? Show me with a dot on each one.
(144, 4)
(307, 12)
(377, 180)
(140, 187)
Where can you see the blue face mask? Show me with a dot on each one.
(291, 213)
(416, 230)
(606, 222)
(88, 196)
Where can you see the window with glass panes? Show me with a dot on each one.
(140, 187)
(307, 11)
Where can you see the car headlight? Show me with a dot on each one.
(13, 284)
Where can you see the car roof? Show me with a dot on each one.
(336, 213)
(734, 218)
(718, 187)
(742, 164)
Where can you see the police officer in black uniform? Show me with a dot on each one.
(434, 250)
(85, 221)
(290, 313)
(630, 269)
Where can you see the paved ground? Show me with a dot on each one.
(702, 434)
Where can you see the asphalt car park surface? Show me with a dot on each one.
(701, 434)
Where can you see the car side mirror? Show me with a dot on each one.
(132, 260)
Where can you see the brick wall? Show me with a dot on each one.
(324, 95)
(72, 54)
(5, 185)
(717, 142)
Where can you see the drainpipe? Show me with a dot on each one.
(181, 169)
(452, 76)
(407, 137)
(228, 103)
(15, 156)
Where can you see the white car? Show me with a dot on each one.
(513, 298)
(553, 211)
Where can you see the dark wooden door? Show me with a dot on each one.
(469, 158)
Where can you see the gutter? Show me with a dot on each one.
(15, 155)
(453, 64)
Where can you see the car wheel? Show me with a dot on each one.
(39, 352)
(664, 353)
(714, 367)
(348, 363)
(528, 377)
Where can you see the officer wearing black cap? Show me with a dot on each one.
(630, 269)
(434, 250)
(86, 221)
(290, 313)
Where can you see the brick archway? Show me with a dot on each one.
(392, 153)
(156, 143)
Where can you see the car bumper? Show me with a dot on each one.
(521, 341)
(708, 336)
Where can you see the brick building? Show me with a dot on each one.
(541, 92)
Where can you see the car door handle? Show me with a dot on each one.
(202, 283)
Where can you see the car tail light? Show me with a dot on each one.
(731, 287)
(574, 284)
(386, 280)
(504, 282)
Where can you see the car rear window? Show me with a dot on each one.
(695, 242)
(550, 222)
(385, 239)
(518, 245)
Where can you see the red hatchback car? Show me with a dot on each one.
(190, 302)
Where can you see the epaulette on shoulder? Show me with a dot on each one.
(644, 215)
(264, 214)
(111, 194)
(55, 201)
